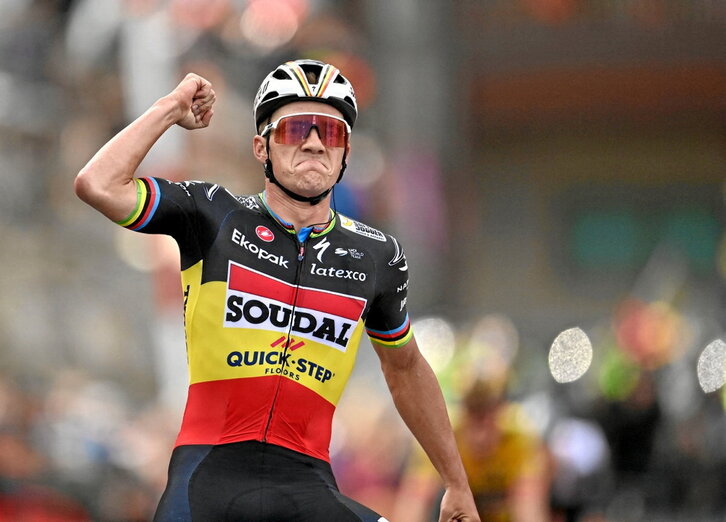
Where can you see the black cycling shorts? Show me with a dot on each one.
(253, 481)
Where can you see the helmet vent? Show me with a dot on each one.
(314, 69)
(269, 96)
(279, 74)
(340, 79)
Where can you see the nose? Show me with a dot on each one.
(313, 142)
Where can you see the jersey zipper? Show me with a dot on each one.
(283, 358)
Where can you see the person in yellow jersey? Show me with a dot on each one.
(278, 291)
(505, 460)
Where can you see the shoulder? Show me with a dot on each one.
(386, 245)
(204, 192)
(194, 188)
(361, 229)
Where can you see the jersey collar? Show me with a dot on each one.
(312, 231)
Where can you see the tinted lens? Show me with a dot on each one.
(293, 130)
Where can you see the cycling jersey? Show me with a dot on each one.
(273, 316)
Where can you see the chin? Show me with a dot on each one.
(312, 186)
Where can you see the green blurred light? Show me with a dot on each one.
(623, 238)
(618, 376)
(606, 238)
(696, 233)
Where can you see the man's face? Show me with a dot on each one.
(310, 167)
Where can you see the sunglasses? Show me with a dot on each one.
(293, 129)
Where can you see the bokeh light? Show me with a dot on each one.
(268, 24)
(570, 355)
(648, 331)
(436, 340)
(711, 368)
(368, 161)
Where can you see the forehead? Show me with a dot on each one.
(305, 106)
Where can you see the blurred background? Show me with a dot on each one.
(547, 164)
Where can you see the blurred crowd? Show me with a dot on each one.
(609, 447)
(92, 374)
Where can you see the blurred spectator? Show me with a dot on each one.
(581, 470)
(26, 489)
(505, 460)
(630, 426)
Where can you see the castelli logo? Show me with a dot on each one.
(264, 233)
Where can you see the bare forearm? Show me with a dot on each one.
(105, 181)
(417, 396)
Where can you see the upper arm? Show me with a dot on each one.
(387, 322)
(115, 202)
(397, 360)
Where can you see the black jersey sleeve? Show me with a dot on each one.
(176, 209)
(388, 323)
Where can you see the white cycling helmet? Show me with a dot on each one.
(289, 83)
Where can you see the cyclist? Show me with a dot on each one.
(278, 289)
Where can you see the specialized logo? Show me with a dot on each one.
(257, 301)
(363, 230)
(264, 233)
(321, 248)
(240, 239)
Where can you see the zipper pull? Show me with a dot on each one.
(301, 253)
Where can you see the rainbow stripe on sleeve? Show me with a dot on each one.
(147, 201)
(392, 338)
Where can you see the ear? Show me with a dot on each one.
(259, 148)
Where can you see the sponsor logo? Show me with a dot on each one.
(257, 301)
(398, 256)
(338, 273)
(281, 363)
(257, 357)
(184, 186)
(210, 191)
(290, 344)
(314, 370)
(264, 233)
(248, 202)
(361, 229)
(355, 254)
(403, 287)
(249, 311)
(261, 93)
(240, 239)
(321, 248)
